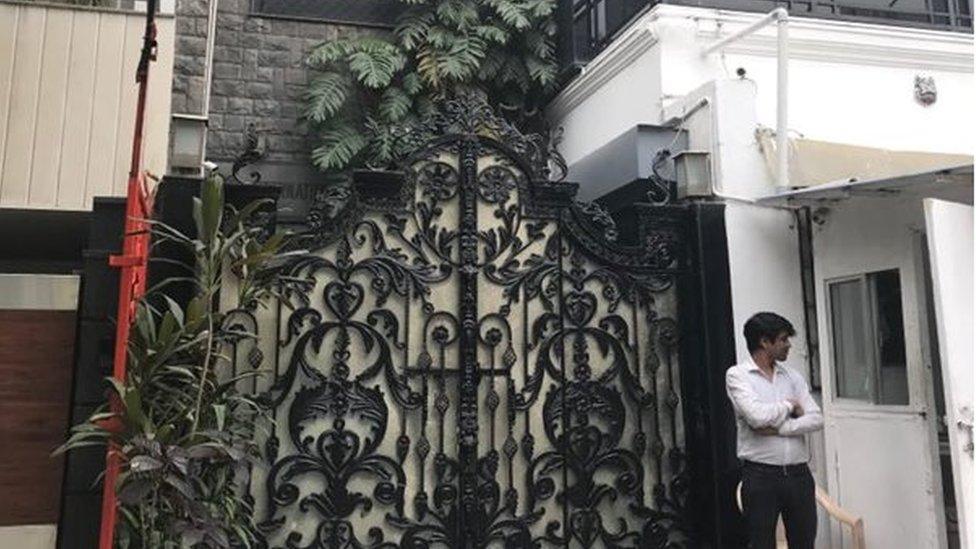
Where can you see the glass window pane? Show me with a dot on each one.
(850, 331)
(893, 376)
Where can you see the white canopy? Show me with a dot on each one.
(813, 163)
(953, 183)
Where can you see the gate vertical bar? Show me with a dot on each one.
(468, 314)
(563, 449)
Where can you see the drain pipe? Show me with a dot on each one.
(781, 17)
(208, 56)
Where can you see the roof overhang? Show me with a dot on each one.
(955, 181)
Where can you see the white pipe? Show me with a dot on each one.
(679, 119)
(782, 78)
(208, 56)
(776, 14)
(781, 17)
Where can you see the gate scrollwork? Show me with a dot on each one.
(476, 363)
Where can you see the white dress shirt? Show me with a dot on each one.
(760, 402)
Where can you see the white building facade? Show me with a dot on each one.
(864, 101)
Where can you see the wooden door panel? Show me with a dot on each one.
(36, 357)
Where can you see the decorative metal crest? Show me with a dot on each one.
(663, 190)
(254, 151)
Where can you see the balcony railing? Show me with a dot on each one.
(589, 25)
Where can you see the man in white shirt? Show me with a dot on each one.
(774, 411)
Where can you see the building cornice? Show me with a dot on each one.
(823, 40)
(834, 41)
(636, 40)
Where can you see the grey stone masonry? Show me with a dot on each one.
(259, 76)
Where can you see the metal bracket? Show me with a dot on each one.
(966, 423)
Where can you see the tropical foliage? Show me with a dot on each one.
(186, 422)
(368, 90)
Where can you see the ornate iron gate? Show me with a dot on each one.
(475, 362)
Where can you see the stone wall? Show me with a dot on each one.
(258, 77)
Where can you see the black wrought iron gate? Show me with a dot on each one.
(475, 362)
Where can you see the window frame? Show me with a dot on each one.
(256, 9)
(869, 295)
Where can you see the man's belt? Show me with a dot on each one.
(786, 470)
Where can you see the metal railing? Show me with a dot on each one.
(587, 26)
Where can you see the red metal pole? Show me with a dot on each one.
(132, 278)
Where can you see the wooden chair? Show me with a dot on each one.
(835, 511)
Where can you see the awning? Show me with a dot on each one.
(813, 163)
(956, 182)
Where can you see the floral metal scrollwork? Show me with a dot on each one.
(462, 372)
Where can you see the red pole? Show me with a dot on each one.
(132, 278)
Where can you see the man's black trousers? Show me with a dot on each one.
(771, 490)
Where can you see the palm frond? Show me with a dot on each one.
(412, 26)
(394, 104)
(540, 71)
(326, 96)
(375, 66)
(328, 52)
(339, 146)
(492, 33)
(512, 13)
(460, 14)
(438, 48)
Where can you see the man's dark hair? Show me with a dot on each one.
(765, 326)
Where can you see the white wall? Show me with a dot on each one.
(854, 83)
(68, 100)
(764, 260)
(764, 269)
(617, 91)
(725, 127)
(849, 82)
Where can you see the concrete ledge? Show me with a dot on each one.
(33, 536)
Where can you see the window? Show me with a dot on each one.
(373, 13)
(868, 338)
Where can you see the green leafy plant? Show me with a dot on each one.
(185, 425)
(369, 88)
